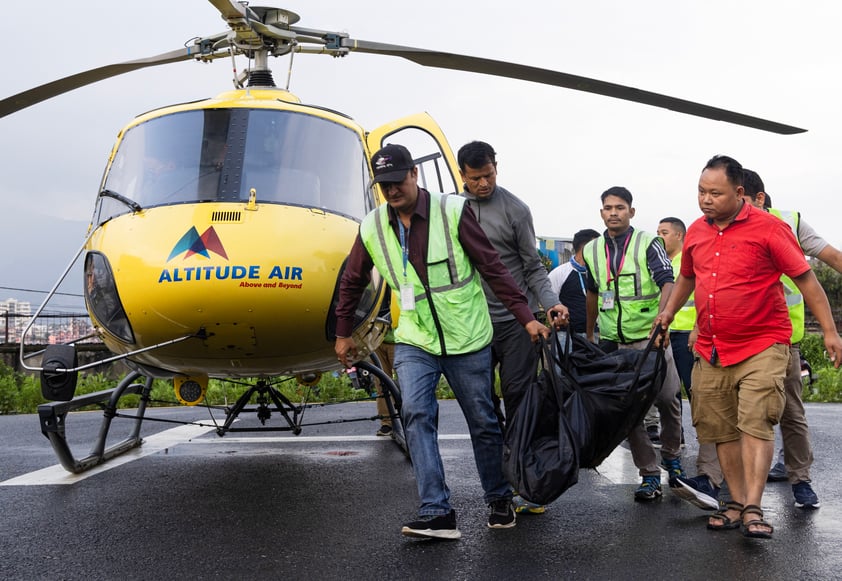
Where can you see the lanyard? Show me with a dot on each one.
(404, 245)
(579, 269)
(622, 259)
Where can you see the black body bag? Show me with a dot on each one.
(607, 394)
(540, 453)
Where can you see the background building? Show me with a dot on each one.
(555, 251)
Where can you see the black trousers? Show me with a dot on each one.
(517, 357)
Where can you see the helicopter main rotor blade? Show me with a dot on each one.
(230, 10)
(54, 88)
(444, 60)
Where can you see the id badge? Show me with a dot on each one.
(607, 301)
(407, 297)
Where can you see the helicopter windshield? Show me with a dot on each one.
(220, 155)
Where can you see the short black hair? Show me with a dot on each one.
(582, 237)
(476, 154)
(618, 191)
(752, 183)
(679, 225)
(733, 168)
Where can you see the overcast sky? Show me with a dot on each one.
(557, 149)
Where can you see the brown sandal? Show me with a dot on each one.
(727, 524)
(756, 522)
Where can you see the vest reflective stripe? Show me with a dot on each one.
(439, 249)
(458, 320)
(685, 318)
(636, 295)
(794, 299)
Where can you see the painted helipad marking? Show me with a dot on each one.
(310, 439)
(618, 468)
(151, 445)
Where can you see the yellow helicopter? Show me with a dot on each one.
(199, 262)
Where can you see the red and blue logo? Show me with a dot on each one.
(192, 243)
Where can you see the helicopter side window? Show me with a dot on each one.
(433, 171)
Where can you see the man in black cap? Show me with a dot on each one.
(431, 250)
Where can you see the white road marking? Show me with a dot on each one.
(151, 445)
(305, 439)
(618, 468)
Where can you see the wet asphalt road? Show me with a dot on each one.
(328, 504)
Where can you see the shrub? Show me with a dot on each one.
(812, 349)
(827, 383)
(29, 394)
(826, 387)
(8, 393)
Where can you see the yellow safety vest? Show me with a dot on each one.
(685, 318)
(794, 298)
(457, 320)
(635, 294)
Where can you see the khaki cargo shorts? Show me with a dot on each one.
(744, 398)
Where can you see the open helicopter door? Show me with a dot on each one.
(421, 135)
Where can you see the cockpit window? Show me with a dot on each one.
(221, 155)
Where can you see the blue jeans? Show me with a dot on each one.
(418, 374)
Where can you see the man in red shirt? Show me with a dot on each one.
(733, 258)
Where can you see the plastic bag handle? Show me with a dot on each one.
(548, 360)
(649, 346)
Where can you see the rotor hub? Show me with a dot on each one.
(275, 16)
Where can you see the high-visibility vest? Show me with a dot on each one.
(635, 294)
(457, 320)
(685, 318)
(794, 298)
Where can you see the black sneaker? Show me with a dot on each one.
(502, 514)
(804, 495)
(777, 473)
(385, 430)
(433, 527)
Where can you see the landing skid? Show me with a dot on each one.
(393, 402)
(269, 399)
(53, 416)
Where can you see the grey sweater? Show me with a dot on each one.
(507, 222)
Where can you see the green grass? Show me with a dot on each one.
(827, 384)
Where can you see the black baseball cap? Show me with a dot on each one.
(391, 163)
